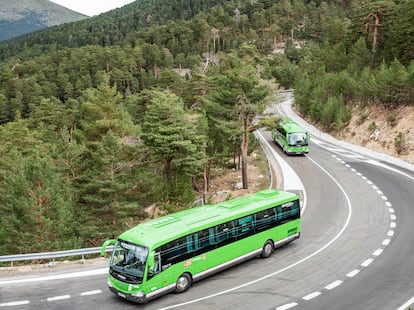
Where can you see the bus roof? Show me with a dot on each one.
(290, 125)
(155, 232)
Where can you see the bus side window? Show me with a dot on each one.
(224, 231)
(244, 225)
(203, 238)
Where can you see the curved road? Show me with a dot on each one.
(355, 251)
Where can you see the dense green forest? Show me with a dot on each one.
(101, 118)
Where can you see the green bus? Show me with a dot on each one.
(169, 253)
(291, 137)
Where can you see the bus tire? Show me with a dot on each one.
(183, 283)
(267, 249)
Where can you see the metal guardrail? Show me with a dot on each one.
(52, 255)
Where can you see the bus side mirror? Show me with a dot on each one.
(105, 245)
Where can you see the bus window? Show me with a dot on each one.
(244, 225)
(224, 232)
(264, 218)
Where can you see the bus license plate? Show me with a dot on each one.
(122, 295)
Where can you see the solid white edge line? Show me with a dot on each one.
(406, 304)
(14, 303)
(58, 277)
(348, 219)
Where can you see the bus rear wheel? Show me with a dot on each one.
(267, 249)
(183, 283)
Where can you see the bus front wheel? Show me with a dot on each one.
(183, 283)
(267, 249)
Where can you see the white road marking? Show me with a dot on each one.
(91, 293)
(390, 233)
(58, 276)
(406, 304)
(378, 252)
(287, 306)
(58, 298)
(386, 242)
(353, 273)
(14, 303)
(334, 284)
(367, 262)
(311, 296)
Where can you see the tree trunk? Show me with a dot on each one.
(244, 148)
(168, 169)
(205, 190)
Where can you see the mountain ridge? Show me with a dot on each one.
(18, 17)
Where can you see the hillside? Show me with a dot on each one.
(19, 17)
(386, 131)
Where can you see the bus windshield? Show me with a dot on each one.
(128, 261)
(298, 138)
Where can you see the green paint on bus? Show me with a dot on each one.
(291, 137)
(171, 252)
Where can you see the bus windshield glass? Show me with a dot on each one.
(298, 138)
(129, 259)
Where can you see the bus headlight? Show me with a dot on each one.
(138, 294)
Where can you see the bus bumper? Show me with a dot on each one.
(136, 297)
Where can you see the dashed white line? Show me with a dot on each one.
(391, 210)
(384, 197)
(367, 262)
(393, 217)
(378, 252)
(390, 233)
(14, 303)
(393, 224)
(386, 242)
(91, 293)
(287, 306)
(334, 284)
(353, 273)
(311, 295)
(388, 204)
(58, 298)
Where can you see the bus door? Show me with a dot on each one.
(156, 278)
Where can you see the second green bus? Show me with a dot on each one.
(291, 137)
